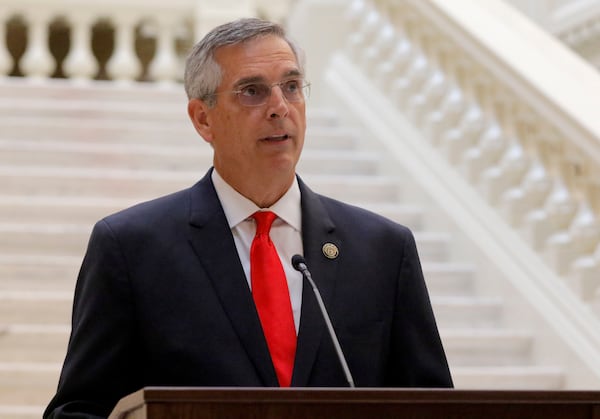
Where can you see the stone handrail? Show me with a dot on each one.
(526, 135)
(172, 26)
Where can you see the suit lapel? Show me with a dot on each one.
(213, 243)
(317, 230)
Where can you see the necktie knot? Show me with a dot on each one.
(264, 220)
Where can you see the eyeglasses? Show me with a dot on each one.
(257, 94)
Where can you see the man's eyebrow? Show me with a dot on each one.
(295, 73)
(259, 79)
(249, 80)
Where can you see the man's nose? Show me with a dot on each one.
(278, 106)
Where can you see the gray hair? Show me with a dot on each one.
(203, 74)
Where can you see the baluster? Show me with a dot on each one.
(37, 62)
(456, 141)
(492, 144)
(582, 234)
(379, 49)
(435, 87)
(124, 64)
(485, 153)
(519, 201)
(393, 66)
(165, 66)
(365, 36)
(585, 278)
(80, 63)
(6, 60)
(354, 14)
(411, 81)
(446, 116)
(508, 172)
(513, 164)
(585, 231)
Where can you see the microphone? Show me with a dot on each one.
(299, 264)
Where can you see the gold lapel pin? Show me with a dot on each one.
(330, 250)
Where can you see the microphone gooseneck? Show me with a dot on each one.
(299, 264)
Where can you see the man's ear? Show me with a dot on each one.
(198, 113)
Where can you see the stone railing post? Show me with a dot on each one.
(165, 66)
(6, 61)
(80, 63)
(37, 62)
(124, 64)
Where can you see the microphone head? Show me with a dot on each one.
(297, 260)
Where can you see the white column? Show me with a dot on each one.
(124, 64)
(80, 63)
(6, 60)
(37, 62)
(164, 66)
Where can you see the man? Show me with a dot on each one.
(167, 295)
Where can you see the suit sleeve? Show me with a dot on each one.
(101, 365)
(418, 358)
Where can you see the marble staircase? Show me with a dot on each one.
(70, 154)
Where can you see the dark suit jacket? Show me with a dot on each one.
(162, 300)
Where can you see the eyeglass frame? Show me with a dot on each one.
(304, 89)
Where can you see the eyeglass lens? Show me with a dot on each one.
(258, 93)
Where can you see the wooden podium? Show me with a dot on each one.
(328, 403)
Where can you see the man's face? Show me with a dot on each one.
(251, 142)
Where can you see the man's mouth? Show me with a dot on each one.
(281, 137)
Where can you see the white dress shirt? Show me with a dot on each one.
(286, 232)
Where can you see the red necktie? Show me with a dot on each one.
(272, 299)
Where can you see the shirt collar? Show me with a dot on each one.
(238, 208)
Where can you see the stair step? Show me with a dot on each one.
(47, 239)
(148, 132)
(35, 307)
(65, 94)
(409, 215)
(32, 305)
(28, 209)
(13, 411)
(66, 89)
(23, 209)
(33, 343)
(452, 312)
(27, 384)
(432, 246)
(164, 157)
(484, 347)
(71, 240)
(514, 378)
(113, 110)
(73, 181)
(37, 271)
(449, 279)
(147, 184)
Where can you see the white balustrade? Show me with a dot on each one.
(536, 171)
(169, 22)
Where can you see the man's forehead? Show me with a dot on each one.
(269, 48)
(258, 59)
